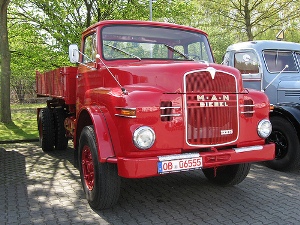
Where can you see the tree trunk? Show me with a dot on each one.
(89, 6)
(5, 64)
(248, 21)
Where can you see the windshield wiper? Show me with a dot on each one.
(178, 52)
(120, 50)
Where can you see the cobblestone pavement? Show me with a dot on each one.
(40, 188)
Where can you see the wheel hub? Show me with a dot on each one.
(88, 168)
(281, 144)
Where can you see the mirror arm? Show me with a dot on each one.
(286, 66)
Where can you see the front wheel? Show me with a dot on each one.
(227, 175)
(287, 147)
(100, 181)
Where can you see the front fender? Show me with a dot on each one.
(102, 131)
(290, 111)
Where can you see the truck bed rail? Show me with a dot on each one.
(58, 83)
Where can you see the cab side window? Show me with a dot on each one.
(90, 48)
(246, 62)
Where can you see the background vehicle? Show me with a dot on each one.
(147, 99)
(273, 67)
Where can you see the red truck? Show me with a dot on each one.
(147, 99)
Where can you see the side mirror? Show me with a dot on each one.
(73, 53)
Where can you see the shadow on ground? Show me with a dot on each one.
(45, 188)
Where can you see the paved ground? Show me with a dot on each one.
(39, 188)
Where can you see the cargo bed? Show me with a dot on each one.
(58, 83)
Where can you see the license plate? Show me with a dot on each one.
(183, 162)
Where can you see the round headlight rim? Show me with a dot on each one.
(260, 125)
(138, 132)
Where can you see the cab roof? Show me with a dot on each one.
(145, 23)
(265, 44)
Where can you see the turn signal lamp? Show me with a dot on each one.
(126, 112)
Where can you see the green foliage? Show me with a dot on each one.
(176, 11)
(249, 20)
(40, 31)
(31, 51)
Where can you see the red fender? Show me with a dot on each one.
(102, 132)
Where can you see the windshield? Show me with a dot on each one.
(276, 61)
(246, 62)
(148, 42)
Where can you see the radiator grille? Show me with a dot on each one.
(211, 108)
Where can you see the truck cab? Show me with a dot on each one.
(273, 68)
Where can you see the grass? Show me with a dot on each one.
(24, 125)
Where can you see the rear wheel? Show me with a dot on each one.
(100, 181)
(287, 147)
(46, 129)
(228, 175)
(61, 140)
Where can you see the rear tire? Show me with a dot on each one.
(46, 129)
(287, 147)
(61, 140)
(228, 175)
(100, 181)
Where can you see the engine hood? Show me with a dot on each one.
(164, 76)
(289, 82)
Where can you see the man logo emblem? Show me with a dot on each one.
(212, 72)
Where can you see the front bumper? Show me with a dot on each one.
(148, 166)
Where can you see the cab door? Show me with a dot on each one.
(87, 77)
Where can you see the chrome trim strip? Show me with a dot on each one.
(248, 149)
(247, 105)
(248, 112)
(170, 107)
(125, 116)
(165, 115)
(125, 108)
(288, 89)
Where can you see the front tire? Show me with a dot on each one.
(46, 129)
(228, 175)
(287, 147)
(100, 181)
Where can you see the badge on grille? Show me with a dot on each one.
(212, 72)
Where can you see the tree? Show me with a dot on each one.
(5, 64)
(252, 19)
(62, 22)
(41, 31)
(29, 53)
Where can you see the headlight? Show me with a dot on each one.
(143, 137)
(264, 128)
